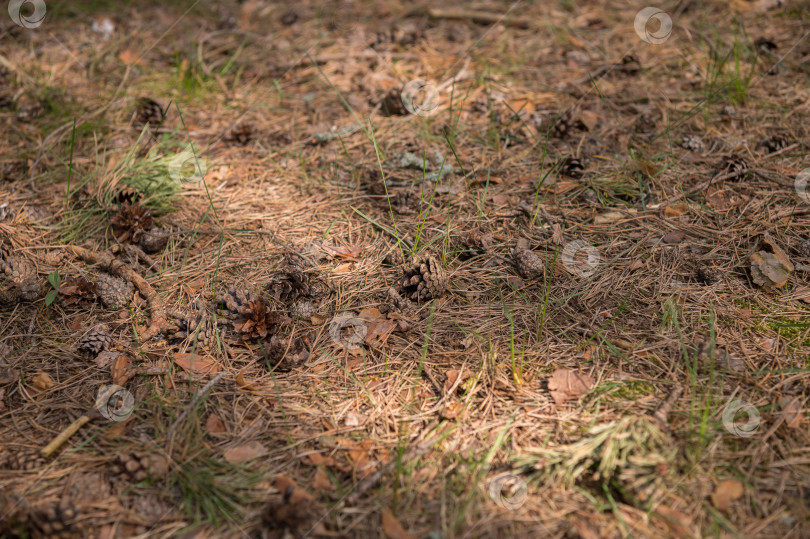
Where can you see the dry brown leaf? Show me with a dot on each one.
(215, 426)
(121, 370)
(647, 168)
(612, 216)
(726, 492)
(566, 384)
(453, 375)
(43, 381)
(130, 58)
(675, 210)
(673, 237)
(679, 523)
(244, 452)
(321, 481)
(590, 119)
(76, 324)
(392, 527)
(8, 375)
(298, 496)
(317, 459)
(451, 410)
(802, 293)
(346, 267)
(194, 364)
(244, 384)
(346, 253)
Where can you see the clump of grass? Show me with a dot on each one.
(92, 200)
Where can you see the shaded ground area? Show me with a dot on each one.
(384, 269)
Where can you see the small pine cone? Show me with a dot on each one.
(148, 112)
(137, 467)
(571, 168)
(282, 358)
(425, 280)
(289, 17)
(566, 124)
(29, 107)
(24, 460)
(528, 264)
(249, 313)
(199, 327)
(705, 275)
(392, 104)
(804, 248)
(629, 65)
(131, 221)
(127, 195)
(115, 293)
(733, 165)
(476, 242)
(241, 134)
(406, 201)
(11, 171)
(18, 279)
(289, 283)
(155, 240)
(692, 143)
(95, 341)
(58, 521)
(773, 144)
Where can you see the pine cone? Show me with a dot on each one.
(148, 112)
(528, 264)
(423, 281)
(392, 104)
(57, 521)
(131, 222)
(241, 134)
(23, 460)
(77, 290)
(115, 293)
(155, 240)
(733, 165)
(566, 124)
(197, 326)
(774, 144)
(283, 359)
(127, 195)
(692, 143)
(11, 171)
(571, 168)
(804, 248)
(289, 283)
(18, 278)
(95, 341)
(406, 201)
(629, 65)
(137, 467)
(250, 314)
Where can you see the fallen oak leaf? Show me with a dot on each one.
(770, 266)
(244, 452)
(566, 384)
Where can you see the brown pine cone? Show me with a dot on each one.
(155, 240)
(23, 460)
(773, 144)
(241, 134)
(566, 124)
(131, 221)
(250, 314)
(284, 359)
(392, 104)
(95, 341)
(289, 283)
(425, 280)
(58, 521)
(148, 112)
(197, 326)
(571, 168)
(115, 293)
(528, 264)
(733, 165)
(18, 279)
(137, 467)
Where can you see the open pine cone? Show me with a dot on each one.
(137, 467)
(241, 134)
(57, 521)
(197, 326)
(23, 460)
(250, 314)
(148, 112)
(18, 278)
(289, 283)
(95, 341)
(425, 280)
(131, 221)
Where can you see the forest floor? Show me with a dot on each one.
(359, 269)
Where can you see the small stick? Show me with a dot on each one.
(69, 431)
(666, 406)
(480, 17)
